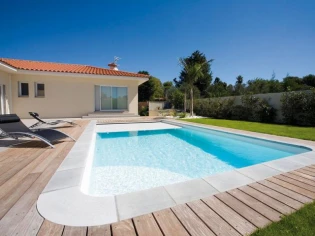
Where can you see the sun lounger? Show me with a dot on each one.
(41, 122)
(12, 127)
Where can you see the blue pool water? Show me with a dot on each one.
(130, 161)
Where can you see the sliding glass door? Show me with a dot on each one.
(114, 98)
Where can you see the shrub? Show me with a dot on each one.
(257, 109)
(252, 109)
(176, 97)
(216, 108)
(239, 112)
(298, 108)
(144, 111)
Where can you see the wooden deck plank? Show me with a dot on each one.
(22, 206)
(303, 175)
(292, 187)
(33, 146)
(191, 221)
(273, 203)
(299, 178)
(276, 195)
(258, 206)
(296, 182)
(124, 228)
(218, 225)
(145, 224)
(74, 231)
(14, 195)
(49, 228)
(50, 155)
(10, 152)
(7, 176)
(306, 172)
(242, 225)
(14, 181)
(16, 151)
(248, 213)
(101, 230)
(6, 166)
(309, 169)
(289, 193)
(169, 223)
(30, 223)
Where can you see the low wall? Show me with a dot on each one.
(153, 106)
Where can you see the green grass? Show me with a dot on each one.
(307, 133)
(299, 223)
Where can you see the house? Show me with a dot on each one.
(66, 90)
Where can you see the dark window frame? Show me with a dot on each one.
(36, 90)
(22, 90)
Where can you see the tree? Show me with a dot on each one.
(239, 79)
(218, 88)
(144, 89)
(151, 89)
(204, 81)
(166, 86)
(239, 86)
(184, 88)
(217, 80)
(309, 80)
(292, 83)
(144, 72)
(156, 89)
(176, 97)
(192, 71)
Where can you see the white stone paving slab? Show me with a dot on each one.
(309, 154)
(190, 190)
(143, 202)
(228, 180)
(134, 127)
(303, 159)
(65, 179)
(284, 164)
(72, 163)
(71, 207)
(258, 172)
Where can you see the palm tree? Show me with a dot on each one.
(193, 72)
(184, 88)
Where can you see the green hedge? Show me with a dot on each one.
(252, 109)
(298, 108)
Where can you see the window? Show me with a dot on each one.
(39, 90)
(23, 89)
(113, 98)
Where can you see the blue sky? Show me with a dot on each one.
(248, 37)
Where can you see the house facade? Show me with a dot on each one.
(66, 90)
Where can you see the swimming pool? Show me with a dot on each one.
(128, 161)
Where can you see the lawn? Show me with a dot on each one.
(307, 133)
(300, 223)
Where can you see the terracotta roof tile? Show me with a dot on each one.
(66, 68)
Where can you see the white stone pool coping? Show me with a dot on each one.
(63, 202)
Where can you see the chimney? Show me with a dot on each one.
(113, 66)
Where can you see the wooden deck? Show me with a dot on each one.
(26, 169)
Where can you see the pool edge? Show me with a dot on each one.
(76, 208)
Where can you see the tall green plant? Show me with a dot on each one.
(193, 73)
